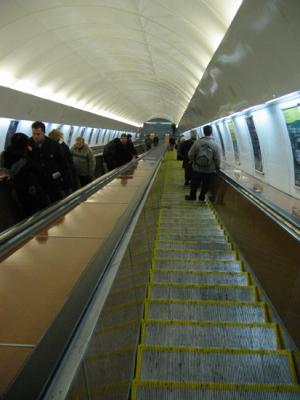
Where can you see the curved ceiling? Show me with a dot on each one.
(130, 60)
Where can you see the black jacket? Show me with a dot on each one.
(53, 167)
(184, 148)
(24, 175)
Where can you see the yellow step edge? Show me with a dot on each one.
(213, 386)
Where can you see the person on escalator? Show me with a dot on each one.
(23, 176)
(205, 158)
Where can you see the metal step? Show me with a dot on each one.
(201, 292)
(216, 365)
(198, 277)
(193, 245)
(187, 224)
(184, 391)
(196, 254)
(193, 220)
(212, 335)
(205, 311)
(190, 230)
(197, 265)
(200, 236)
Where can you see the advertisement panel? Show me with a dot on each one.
(255, 144)
(233, 135)
(221, 141)
(12, 129)
(292, 120)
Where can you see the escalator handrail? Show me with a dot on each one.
(275, 213)
(12, 237)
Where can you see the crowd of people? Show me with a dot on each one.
(43, 169)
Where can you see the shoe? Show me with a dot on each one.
(186, 184)
(188, 197)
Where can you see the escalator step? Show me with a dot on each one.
(193, 245)
(208, 278)
(202, 292)
(212, 335)
(192, 236)
(183, 230)
(216, 365)
(196, 254)
(205, 311)
(183, 264)
(185, 391)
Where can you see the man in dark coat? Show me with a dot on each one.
(130, 145)
(183, 150)
(23, 174)
(53, 166)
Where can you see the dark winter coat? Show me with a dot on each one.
(53, 167)
(24, 176)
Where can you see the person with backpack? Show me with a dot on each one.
(205, 158)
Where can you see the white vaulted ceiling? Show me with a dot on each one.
(129, 60)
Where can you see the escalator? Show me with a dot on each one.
(206, 333)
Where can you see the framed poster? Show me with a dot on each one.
(82, 132)
(12, 129)
(221, 140)
(255, 144)
(292, 120)
(71, 131)
(98, 134)
(233, 135)
(91, 134)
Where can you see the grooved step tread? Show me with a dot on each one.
(191, 237)
(202, 292)
(206, 311)
(211, 335)
(200, 277)
(190, 245)
(208, 365)
(196, 254)
(185, 264)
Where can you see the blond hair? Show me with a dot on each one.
(56, 135)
